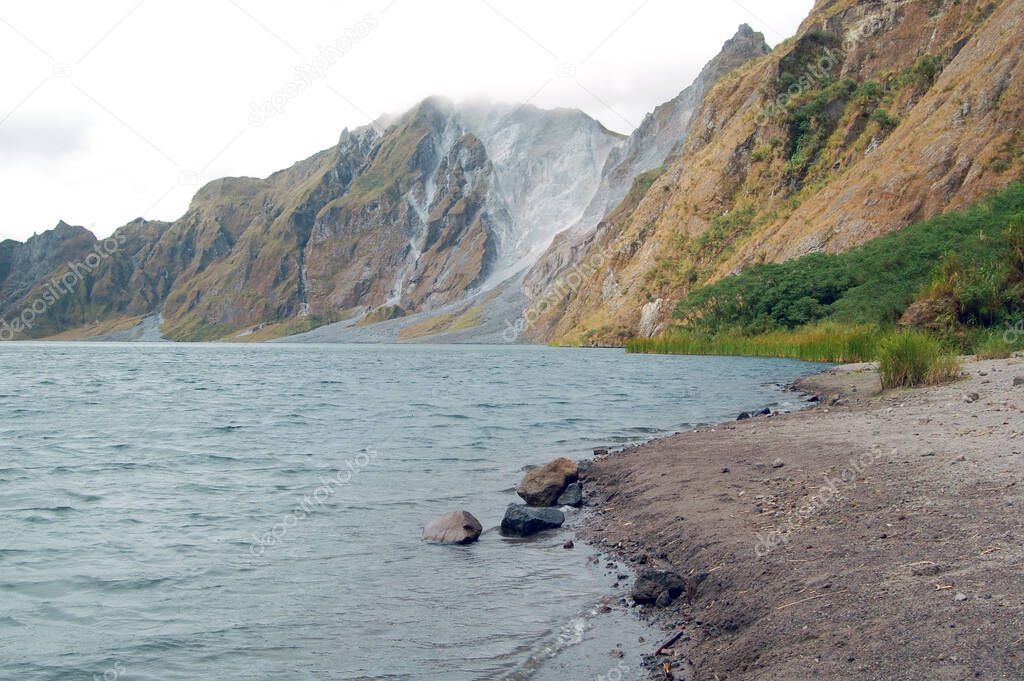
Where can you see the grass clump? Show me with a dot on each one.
(913, 358)
(998, 345)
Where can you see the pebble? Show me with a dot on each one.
(777, 463)
(568, 545)
(961, 597)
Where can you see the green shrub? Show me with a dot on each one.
(874, 283)
(912, 358)
(885, 119)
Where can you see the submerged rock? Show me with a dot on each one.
(542, 486)
(658, 587)
(523, 521)
(455, 527)
(572, 496)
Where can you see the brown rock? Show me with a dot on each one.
(934, 313)
(542, 486)
(455, 527)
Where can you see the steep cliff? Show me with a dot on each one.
(878, 113)
(659, 136)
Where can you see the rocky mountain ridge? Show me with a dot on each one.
(875, 115)
(384, 223)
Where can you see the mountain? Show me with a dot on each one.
(387, 222)
(875, 115)
(659, 136)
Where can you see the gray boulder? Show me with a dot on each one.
(657, 587)
(523, 521)
(572, 496)
(455, 527)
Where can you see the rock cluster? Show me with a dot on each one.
(556, 483)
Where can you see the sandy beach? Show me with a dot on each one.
(876, 535)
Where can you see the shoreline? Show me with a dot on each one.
(874, 533)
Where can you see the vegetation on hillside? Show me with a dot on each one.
(976, 257)
(959, 276)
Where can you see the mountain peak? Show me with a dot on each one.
(745, 45)
(743, 31)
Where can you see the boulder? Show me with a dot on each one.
(572, 496)
(455, 527)
(657, 587)
(523, 521)
(542, 486)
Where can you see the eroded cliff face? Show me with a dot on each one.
(659, 137)
(403, 219)
(877, 114)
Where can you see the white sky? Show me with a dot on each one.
(121, 109)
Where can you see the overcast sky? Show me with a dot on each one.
(121, 109)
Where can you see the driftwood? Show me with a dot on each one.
(669, 641)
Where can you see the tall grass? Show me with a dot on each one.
(906, 358)
(914, 358)
(998, 344)
(825, 342)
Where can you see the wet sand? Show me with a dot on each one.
(880, 537)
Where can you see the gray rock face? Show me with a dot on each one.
(659, 136)
(572, 496)
(524, 521)
(547, 165)
(455, 527)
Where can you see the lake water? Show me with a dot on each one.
(254, 512)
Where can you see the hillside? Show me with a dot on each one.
(876, 115)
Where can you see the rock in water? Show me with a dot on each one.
(572, 496)
(542, 486)
(523, 521)
(455, 527)
(659, 587)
